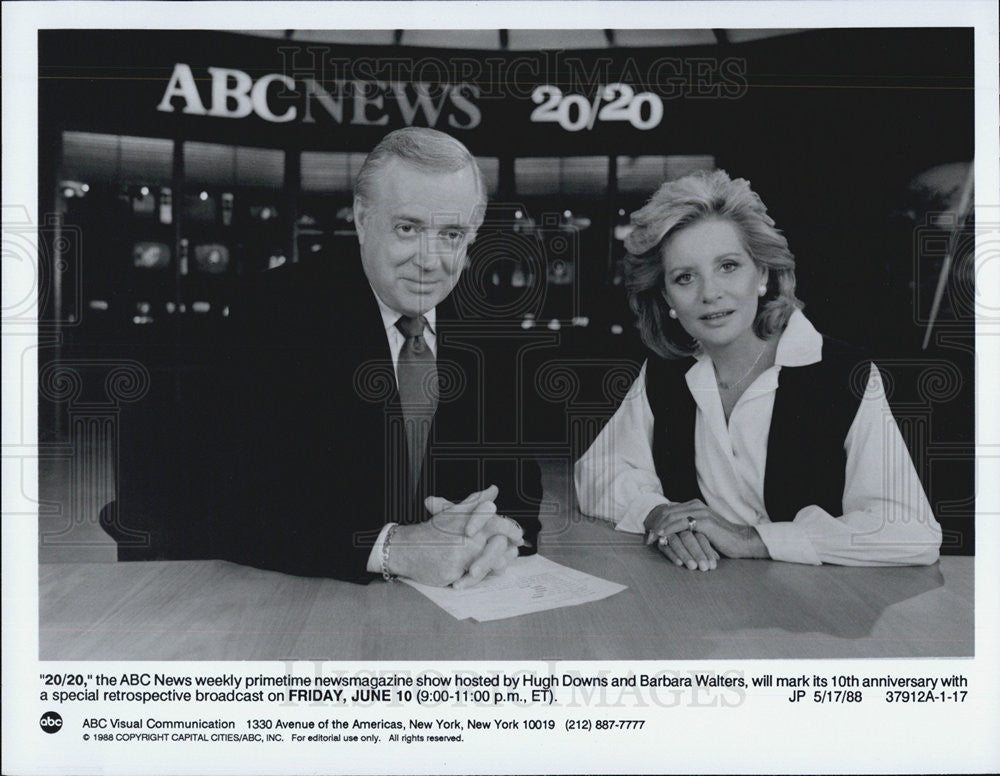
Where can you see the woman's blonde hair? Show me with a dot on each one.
(679, 204)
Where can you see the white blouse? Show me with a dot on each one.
(887, 519)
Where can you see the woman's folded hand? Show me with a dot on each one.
(693, 535)
(682, 547)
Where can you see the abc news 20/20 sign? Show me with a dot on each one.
(278, 98)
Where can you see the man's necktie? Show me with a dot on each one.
(417, 375)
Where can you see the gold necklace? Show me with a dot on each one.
(727, 386)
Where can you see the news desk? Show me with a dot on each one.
(213, 610)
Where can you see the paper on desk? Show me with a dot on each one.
(530, 584)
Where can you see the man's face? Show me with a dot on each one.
(414, 231)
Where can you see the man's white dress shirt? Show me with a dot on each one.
(887, 519)
(395, 336)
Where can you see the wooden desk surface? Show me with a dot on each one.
(213, 610)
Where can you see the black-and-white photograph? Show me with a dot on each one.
(500, 387)
(647, 344)
(506, 344)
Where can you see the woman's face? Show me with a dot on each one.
(712, 283)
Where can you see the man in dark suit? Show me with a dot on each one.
(357, 437)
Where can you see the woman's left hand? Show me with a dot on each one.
(730, 539)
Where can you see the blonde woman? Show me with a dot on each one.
(747, 434)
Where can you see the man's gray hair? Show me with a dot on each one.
(422, 147)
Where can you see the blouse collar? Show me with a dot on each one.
(799, 345)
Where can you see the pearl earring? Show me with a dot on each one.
(761, 289)
(673, 313)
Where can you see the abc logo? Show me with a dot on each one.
(51, 722)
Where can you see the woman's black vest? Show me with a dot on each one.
(813, 410)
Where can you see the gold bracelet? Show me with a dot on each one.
(385, 553)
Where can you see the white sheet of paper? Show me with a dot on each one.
(531, 584)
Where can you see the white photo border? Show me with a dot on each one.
(787, 740)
